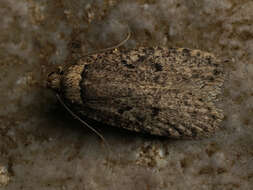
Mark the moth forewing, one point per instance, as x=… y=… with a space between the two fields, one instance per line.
x=156 y=90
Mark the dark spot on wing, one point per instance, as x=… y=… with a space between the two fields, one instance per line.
x=155 y=111
x=140 y=118
x=156 y=79
x=130 y=66
x=216 y=72
x=158 y=67
x=124 y=109
x=211 y=79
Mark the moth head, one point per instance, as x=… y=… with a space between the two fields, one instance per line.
x=54 y=79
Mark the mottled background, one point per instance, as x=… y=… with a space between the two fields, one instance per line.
x=42 y=147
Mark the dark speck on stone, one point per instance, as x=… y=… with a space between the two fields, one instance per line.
x=141 y=58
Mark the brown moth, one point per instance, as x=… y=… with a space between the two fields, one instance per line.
x=161 y=91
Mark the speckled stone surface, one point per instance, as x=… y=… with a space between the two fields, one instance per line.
x=43 y=147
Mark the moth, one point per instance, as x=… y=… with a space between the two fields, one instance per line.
x=172 y=92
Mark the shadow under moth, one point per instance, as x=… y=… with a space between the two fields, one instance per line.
x=171 y=92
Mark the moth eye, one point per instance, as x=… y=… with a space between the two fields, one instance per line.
x=53 y=80
x=50 y=74
x=59 y=70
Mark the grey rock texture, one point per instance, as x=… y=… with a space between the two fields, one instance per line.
x=43 y=147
